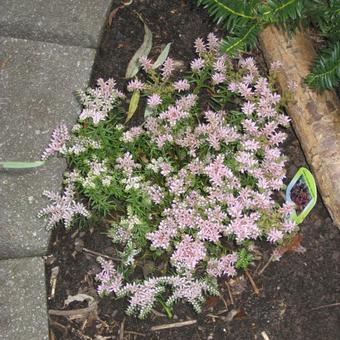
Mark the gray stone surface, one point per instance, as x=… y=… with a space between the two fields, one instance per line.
x=67 y=22
x=23 y=312
x=37 y=81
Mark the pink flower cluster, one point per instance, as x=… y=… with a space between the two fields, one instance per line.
x=98 y=102
x=188 y=253
x=58 y=140
x=63 y=208
x=110 y=280
x=199 y=175
x=223 y=266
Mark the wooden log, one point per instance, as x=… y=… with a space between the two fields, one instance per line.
x=315 y=116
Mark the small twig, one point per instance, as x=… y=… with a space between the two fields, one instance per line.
x=121 y=330
x=58 y=325
x=80 y=334
x=265 y=266
x=229 y=292
x=81 y=312
x=173 y=325
x=326 y=306
x=224 y=301
x=221 y=311
x=157 y=313
x=92 y=252
x=135 y=333
x=252 y=282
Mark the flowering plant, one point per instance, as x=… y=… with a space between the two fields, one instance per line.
x=191 y=187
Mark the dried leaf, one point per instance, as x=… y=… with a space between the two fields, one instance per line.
x=230 y=316
x=80 y=298
x=293 y=246
x=162 y=57
x=133 y=105
x=21 y=165
x=113 y=14
x=143 y=50
x=212 y=301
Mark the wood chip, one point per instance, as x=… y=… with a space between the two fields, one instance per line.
x=264 y=335
x=173 y=325
x=53 y=280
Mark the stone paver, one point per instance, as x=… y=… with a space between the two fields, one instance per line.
x=67 y=22
x=23 y=312
x=37 y=81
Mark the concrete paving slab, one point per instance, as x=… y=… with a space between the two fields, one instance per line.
x=23 y=312
x=67 y=22
x=37 y=81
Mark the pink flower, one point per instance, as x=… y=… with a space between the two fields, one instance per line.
x=225 y=265
x=210 y=231
x=186 y=102
x=63 y=209
x=96 y=115
x=127 y=164
x=182 y=85
x=213 y=42
x=146 y=63
x=218 y=78
x=287 y=208
x=188 y=253
x=219 y=64
x=155 y=193
x=132 y=134
x=249 y=64
x=246 y=160
x=200 y=46
x=173 y=114
x=189 y=289
x=248 y=108
x=244 y=227
x=110 y=279
x=274 y=235
x=165 y=169
x=176 y=185
x=143 y=295
x=232 y=87
x=289 y=226
x=217 y=171
x=135 y=85
x=154 y=100
x=59 y=137
x=197 y=64
x=167 y=68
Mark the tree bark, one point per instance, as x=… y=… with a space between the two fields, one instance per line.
x=315 y=116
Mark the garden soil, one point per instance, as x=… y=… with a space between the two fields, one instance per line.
x=296 y=298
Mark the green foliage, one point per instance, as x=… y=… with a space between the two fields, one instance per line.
x=326 y=70
x=244 y=259
x=245 y=19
